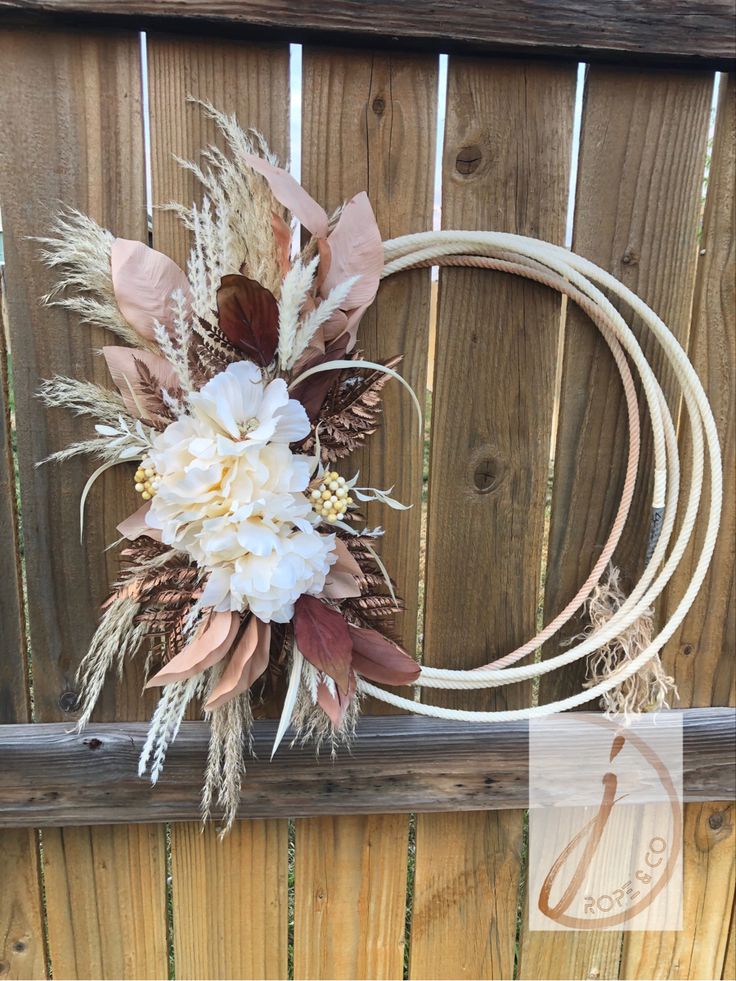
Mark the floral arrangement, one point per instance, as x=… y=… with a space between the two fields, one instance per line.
x=239 y=394
x=239 y=390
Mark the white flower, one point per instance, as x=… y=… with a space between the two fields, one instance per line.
x=231 y=493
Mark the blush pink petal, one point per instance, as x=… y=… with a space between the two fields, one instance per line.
x=341 y=579
x=333 y=327
x=282 y=235
x=144 y=281
x=335 y=707
x=340 y=585
x=356 y=250
x=209 y=646
x=247 y=663
x=135 y=525
x=291 y=194
x=345 y=561
x=351 y=329
x=121 y=362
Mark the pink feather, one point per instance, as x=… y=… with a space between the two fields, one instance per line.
x=144 y=281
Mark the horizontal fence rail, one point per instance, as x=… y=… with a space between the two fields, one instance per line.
x=52 y=776
x=676 y=32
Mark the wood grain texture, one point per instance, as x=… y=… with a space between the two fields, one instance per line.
x=368 y=125
x=506 y=167
x=729 y=964
x=236 y=926
x=21 y=925
x=705 y=676
x=642 y=154
x=73 y=133
x=676 y=31
x=53 y=776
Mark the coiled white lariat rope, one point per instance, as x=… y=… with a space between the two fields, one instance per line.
x=582 y=281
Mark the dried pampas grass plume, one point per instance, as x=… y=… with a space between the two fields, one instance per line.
x=650 y=688
x=79 y=250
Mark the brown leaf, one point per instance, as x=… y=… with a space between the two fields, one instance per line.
x=378 y=659
x=323 y=637
x=249 y=317
x=313 y=391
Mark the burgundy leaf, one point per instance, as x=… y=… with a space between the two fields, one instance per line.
x=312 y=392
x=249 y=317
x=378 y=659
x=323 y=638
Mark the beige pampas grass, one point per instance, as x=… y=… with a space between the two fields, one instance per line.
x=312 y=724
x=83 y=398
x=80 y=250
x=165 y=724
x=232 y=227
x=117 y=638
x=230 y=736
x=294 y=291
x=650 y=688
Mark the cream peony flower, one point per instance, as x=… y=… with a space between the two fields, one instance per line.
x=230 y=492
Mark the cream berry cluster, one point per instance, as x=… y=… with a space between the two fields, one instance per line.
x=146 y=480
x=330 y=498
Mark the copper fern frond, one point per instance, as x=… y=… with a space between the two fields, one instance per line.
x=350 y=412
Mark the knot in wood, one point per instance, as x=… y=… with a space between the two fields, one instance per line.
x=487 y=475
x=379 y=105
x=19 y=946
x=716 y=821
x=468 y=159
x=69 y=701
x=630 y=257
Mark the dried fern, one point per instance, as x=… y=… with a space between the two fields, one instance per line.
x=350 y=413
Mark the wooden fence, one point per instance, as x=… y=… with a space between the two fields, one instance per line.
x=372 y=895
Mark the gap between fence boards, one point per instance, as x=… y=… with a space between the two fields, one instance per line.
x=52 y=775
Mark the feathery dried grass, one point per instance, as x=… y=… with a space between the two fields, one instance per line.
x=231 y=733
x=232 y=227
x=166 y=722
x=117 y=637
x=295 y=289
x=650 y=688
x=79 y=249
x=312 y=724
x=83 y=398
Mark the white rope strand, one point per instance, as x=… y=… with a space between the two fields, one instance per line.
x=554 y=266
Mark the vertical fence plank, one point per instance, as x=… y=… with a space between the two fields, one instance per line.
x=506 y=167
x=702 y=654
x=729 y=963
x=229 y=898
x=72 y=133
x=368 y=124
x=21 y=923
x=642 y=154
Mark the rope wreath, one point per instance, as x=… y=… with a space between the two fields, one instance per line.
x=240 y=388
x=581 y=281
